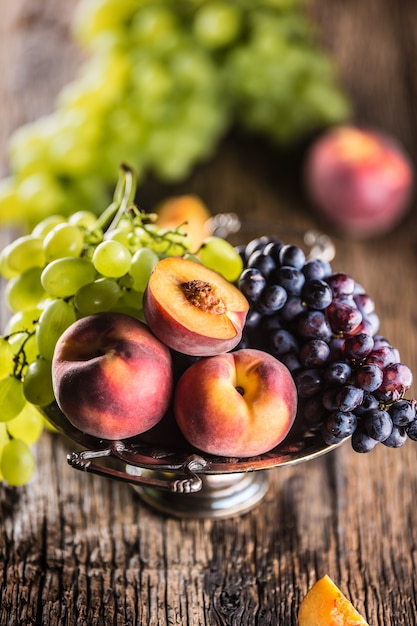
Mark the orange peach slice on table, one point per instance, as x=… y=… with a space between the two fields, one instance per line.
x=326 y=605
x=111 y=377
x=193 y=309
x=237 y=404
x=190 y=213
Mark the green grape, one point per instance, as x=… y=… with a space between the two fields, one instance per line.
x=27 y=426
x=57 y=316
x=23 y=321
x=41 y=194
x=25 y=292
x=12 y=399
x=24 y=253
x=17 y=463
x=37 y=383
x=43 y=227
x=130 y=302
x=220 y=256
x=143 y=262
x=63 y=277
x=112 y=259
x=83 y=219
x=100 y=295
x=11 y=209
x=65 y=240
x=217 y=24
x=6 y=358
x=118 y=234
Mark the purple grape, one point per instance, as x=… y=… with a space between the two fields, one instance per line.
x=308 y=382
x=272 y=299
x=338 y=426
x=313 y=413
x=252 y=246
x=368 y=376
x=397 y=378
x=383 y=356
x=364 y=303
x=314 y=353
x=341 y=284
x=251 y=283
x=362 y=442
x=291 y=361
x=368 y=402
x=314 y=325
x=316 y=269
x=403 y=412
x=262 y=262
x=349 y=397
x=343 y=317
x=273 y=249
x=357 y=347
x=292 y=308
x=317 y=294
x=283 y=341
x=291 y=279
x=337 y=373
x=378 y=424
x=292 y=255
x=397 y=438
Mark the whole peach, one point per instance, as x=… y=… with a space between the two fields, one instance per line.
x=237 y=404
x=359 y=180
x=112 y=377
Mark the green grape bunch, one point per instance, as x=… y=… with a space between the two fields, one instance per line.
x=161 y=85
x=66 y=268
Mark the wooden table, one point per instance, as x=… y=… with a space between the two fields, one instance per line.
x=79 y=549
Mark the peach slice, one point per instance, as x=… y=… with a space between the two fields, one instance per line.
x=325 y=605
x=193 y=309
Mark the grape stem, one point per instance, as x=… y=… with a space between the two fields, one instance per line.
x=20 y=359
x=124 y=196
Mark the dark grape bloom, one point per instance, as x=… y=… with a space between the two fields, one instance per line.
x=358 y=346
x=338 y=426
x=341 y=284
x=291 y=279
x=344 y=317
x=397 y=438
x=368 y=376
x=403 y=412
x=362 y=442
x=308 y=382
x=349 y=397
x=283 y=341
x=378 y=424
x=292 y=255
x=314 y=353
x=251 y=283
x=262 y=262
x=317 y=294
x=272 y=299
x=316 y=269
x=314 y=325
x=337 y=373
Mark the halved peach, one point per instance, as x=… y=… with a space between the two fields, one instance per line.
x=193 y=309
x=326 y=605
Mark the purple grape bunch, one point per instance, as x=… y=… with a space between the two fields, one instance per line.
x=323 y=326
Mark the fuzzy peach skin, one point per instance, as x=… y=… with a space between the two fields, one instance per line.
x=193 y=309
x=112 y=378
x=238 y=404
x=359 y=180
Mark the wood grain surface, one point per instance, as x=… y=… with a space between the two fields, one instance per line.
x=76 y=549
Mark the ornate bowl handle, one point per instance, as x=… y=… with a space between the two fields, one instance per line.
x=191 y=482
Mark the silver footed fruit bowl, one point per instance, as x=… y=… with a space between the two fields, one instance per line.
x=166 y=471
